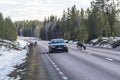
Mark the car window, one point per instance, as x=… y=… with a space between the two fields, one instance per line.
x=57 y=41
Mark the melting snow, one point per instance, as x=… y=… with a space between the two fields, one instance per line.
x=10 y=58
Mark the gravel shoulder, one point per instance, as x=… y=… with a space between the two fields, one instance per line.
x=32 y=68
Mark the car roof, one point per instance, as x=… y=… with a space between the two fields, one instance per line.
x=57 y=39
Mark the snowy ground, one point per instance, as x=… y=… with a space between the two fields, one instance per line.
x=105 y=42
x=10 y=57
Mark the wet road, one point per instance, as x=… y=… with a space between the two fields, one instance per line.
x=90 y=64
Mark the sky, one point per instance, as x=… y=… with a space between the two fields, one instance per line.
x=38 y=9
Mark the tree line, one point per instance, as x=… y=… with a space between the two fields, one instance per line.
x=7 y=29
x=100 y=20
x=28 y=28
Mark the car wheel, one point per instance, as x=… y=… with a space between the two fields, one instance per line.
x=66 y=50
x=50 y=51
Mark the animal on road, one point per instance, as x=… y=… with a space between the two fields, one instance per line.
x=80 y=46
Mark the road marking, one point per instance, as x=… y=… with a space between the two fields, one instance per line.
x=55 y=66
x=65 y=78
x=60 y=72
x=50 y=59
x=58 y=69
x=109 y=59
x=53 y=63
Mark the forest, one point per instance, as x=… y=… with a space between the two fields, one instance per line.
x=29 y=28
x=102 y=19
x=8 y=30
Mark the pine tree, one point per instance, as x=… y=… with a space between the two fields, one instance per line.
x=92 y=24
x=1 y=26
x=11 y=32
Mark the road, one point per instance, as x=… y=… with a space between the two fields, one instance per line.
x=90 y=64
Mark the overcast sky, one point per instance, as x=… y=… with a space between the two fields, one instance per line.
x=38 y=9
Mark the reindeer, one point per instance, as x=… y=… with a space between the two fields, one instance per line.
x=80 y=46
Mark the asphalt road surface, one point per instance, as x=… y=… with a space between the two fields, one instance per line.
x=90 y=64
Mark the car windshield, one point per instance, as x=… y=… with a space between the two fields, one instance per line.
x=57 y=41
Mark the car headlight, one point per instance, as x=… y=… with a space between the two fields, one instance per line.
x=65 y=46
x=52 y=46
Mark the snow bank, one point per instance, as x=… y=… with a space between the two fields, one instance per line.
x=10 y=58
x=22 y=43
x=94 y=40
x=105 y=42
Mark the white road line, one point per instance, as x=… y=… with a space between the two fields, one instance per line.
x=60 y=72
x=55 y=66
x=65 y=78
x=58 y=69
x=109 y=59
x=53 y=63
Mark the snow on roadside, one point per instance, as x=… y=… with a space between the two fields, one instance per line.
x=22 y=43
x=94 y=40
x=104 y=42
x=10 y=58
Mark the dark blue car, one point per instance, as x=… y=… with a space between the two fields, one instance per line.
x=57 y=45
